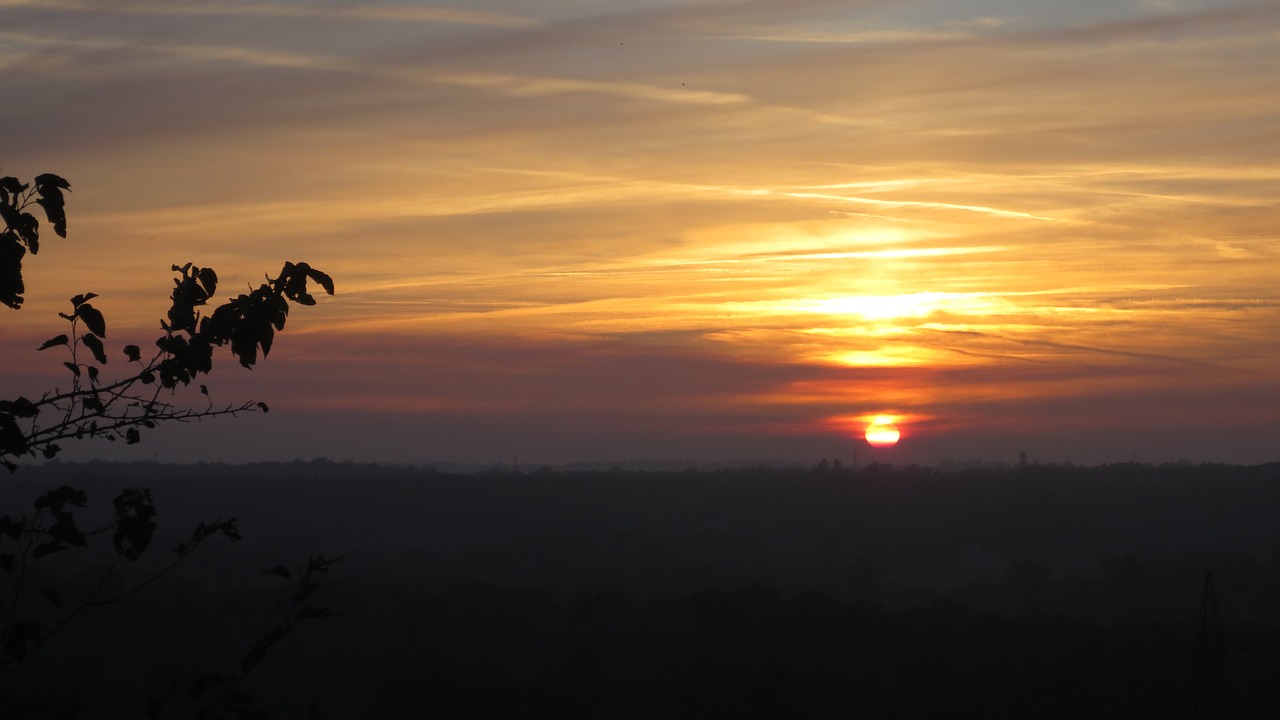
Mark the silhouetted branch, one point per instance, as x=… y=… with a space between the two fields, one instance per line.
x=121 y=408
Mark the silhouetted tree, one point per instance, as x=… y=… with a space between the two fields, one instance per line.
x=115 y=409
x=120 y=408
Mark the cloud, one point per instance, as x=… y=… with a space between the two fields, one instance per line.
x=833 y=33
x=971 y=223
x=537 y=86
x=1162 y=6
x=662 y=26
x=1074 y=349
x=393 y=13
x=924 y=205
x=504 y=84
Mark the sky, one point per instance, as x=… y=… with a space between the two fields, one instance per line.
x=571 y=230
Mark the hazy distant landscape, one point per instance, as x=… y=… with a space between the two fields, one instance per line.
x=1045 y=591
x=515 y=232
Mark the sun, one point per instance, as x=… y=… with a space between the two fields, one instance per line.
x=882 y=432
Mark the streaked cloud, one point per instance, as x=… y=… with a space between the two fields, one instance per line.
x=527 y=86
x=397 y=12
x=863 y=34
x=757 y=220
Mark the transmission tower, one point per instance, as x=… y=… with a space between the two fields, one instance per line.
x=1210 y=659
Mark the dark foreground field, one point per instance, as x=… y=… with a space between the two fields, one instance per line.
x=880 y=592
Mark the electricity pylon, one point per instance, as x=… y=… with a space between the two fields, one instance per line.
x=1211 y=659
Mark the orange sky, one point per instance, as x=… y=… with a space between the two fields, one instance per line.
x=681 y=230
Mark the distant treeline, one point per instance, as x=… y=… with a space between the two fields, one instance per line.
x=1046 y=591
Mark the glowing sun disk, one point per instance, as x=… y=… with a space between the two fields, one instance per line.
x=882 y=432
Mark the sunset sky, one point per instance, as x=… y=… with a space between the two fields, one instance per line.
x=684 y=229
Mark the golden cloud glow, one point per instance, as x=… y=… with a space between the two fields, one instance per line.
x=844 y=209
x=912 y=305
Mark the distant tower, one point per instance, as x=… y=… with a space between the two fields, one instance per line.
x=1022 y=460
x=1210 y=659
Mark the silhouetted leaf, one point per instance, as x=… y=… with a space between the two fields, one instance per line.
x=72 y=367
x=263 y=407
x=204 y=390
x=311 y=612
x=19 y=637
x=27 y=228
x=79 y=300
x=12 y=440
x=50 y=180
x=11 y=286
x=190 y=291
x=325 y=281
x=54 y=342
x=92 y=403
x=51 y=450
x=260 y=647
x=204 y=530
x=133 y=353
x=19 y=407
x=53 y=205
x=11 y=186
x=280 y=570
x=92 y=319
x=49 y=187
x=266 y=336
x=230 y=530
x=93 y=374
x=132 y=436
x=55 y=500
x=201 y=358
x=208 y=280
x=208 y=681
x=47 y=548
x=11 y=216
x=92 y=342
x=135 y=522
x=64 y=530
x=51 y=594
x=12 y=528
x=184 y=360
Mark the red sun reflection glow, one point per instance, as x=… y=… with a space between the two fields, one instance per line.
x=882 y=432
